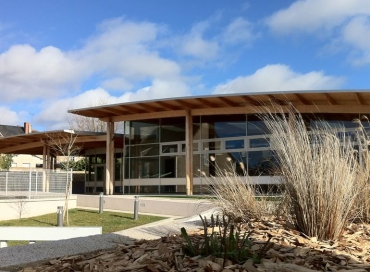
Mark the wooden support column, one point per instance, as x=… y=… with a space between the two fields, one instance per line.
x=189 y=153
x=109 y=176
x=48 y=158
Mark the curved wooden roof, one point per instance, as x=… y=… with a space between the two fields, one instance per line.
x=328 y=101
x=33 y=143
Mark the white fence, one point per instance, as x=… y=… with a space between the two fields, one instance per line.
x=33 y=184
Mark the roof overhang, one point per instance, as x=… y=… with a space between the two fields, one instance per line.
x=34 y=143
x=327 y=101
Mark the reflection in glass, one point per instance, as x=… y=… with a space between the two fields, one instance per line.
x=144 y=132
x=223 y=126
x=144 y=168
x=173 y=167
x=169 y=148
x=259 y=142
x=216 y=145
x=218 y=164
x=173 y=129
x=255 y=126
x=260 y=163
x=234 y=144
x=144 y=150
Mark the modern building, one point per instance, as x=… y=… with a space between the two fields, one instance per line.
x=166 y=144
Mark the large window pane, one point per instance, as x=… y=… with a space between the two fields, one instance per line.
x=260 y=163
x=255 y=126
x=173 y=129
x=223 y=126
x=144 y=168
x=221 y=164
x=335 y=121
x=173 y=167
x=144 y=150
x=144 y=132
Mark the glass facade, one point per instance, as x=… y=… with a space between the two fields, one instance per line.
x=153 y=159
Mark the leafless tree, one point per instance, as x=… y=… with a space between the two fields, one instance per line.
x=64 y=145
x=20 y=206
x=83 y=123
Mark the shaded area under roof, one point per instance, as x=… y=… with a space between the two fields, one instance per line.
x=33 y=143
x=326 y=101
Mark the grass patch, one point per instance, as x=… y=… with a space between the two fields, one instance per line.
x=109 y=221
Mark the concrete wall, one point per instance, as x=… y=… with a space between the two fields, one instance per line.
x=11 y=208
x=156 y=205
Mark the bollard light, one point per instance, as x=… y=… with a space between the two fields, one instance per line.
x=101 y=202
x=60 y=216
x=136 y=208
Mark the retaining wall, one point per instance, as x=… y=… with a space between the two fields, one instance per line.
x=155 y=205
x=12 y=208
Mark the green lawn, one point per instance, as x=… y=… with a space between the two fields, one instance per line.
x=109 y=221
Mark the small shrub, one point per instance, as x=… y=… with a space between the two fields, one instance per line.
x=229 y=242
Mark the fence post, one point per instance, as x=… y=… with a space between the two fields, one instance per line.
x=6 y=183
x=29 y=185
x=36 y=184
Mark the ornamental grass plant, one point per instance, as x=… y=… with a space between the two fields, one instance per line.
x=319 y=171
x=235 y=194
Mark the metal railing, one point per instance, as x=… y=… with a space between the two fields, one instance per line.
x=34 y=184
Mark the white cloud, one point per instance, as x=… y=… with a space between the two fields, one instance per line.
x=239 y=31
x=9 y=117
x=194 y=44
x=28 y=74
x=55 y=114
x=119 y=56
x=313 y=15
x=279 y=77
x=357 y=33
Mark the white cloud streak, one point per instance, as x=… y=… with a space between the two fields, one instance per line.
x=313 y=15
x=277 y=78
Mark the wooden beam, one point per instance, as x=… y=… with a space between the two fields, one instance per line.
x=185 y=105
x=303 y=100
x=189 y=152
x=228 y=102
x=330 y=100
x=359 y=99
x=15 y=148
x=112 y=111
x=147 y=107
x=251 y=101
x=166 y=105
x=206 y=103
x=143 y=116
x=277 y=100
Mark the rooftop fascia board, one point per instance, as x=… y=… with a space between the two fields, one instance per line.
x=220 y=95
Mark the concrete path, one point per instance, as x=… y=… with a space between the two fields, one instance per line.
x=12 y=258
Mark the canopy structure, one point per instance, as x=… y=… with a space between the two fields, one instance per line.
x=327 y=101
x=33 y=143
x=345 y=101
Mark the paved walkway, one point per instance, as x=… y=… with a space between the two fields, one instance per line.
x=19 y=256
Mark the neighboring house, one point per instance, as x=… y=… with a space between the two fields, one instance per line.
x=21 y=161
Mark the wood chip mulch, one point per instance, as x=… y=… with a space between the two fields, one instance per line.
x=291 y=251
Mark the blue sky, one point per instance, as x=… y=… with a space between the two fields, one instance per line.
x=60 y=55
